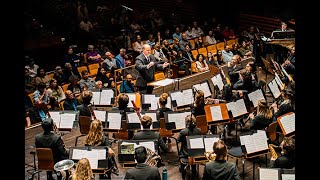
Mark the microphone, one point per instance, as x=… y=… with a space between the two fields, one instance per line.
x=127 y=8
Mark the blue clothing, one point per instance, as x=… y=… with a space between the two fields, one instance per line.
x=126 y=88
x=120 y=61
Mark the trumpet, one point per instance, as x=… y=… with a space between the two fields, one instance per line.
x=211 y=156
x=273 y=151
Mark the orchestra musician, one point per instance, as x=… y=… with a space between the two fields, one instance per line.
x=146 y=133
x=287 y=158
x=142 y=170
x=83 y=170
x=233 y=68
x=263 y=117
x=190 y=130
x=146 y=66
x=220 y=168
x=48 y=139
x=85 y=98
x=163 y=100
x=96 y=137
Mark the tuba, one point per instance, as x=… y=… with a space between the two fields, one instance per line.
x=154 y=159
x=211 y=156
x=273 y=151
x=64 y=165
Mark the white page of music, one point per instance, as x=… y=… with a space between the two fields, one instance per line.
x=92 y=156
x=237 y=108
x=163 y=82
x=131 y=97
x=255 y=96
x=187 y=95
x=148 y=98
x=106 y=96
x=248 y=142
x=67 y=120
x=196 y=143
x=78 y=153
x=273 y=86
x=268 y=174
x=278 y=80
x=288 y=123
x=216 y=113
x=148 y=144
x=96 y=97
x=154 y=104
x=208 y=143
x=153 y=115
x=219 y=81
x=101 y=115
x=133 y=118
x=178 y=119
x=260 y=140
x=285 y=72
x=288 y=176
x=114 y=120
x=55 y=116
x=101 y=153
x=203 y=87
x=178 y=97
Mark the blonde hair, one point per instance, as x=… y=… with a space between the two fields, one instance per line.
x=264 y=109
x=199 y=98
x=163 y=99
x=94 y=137
x=83 y=170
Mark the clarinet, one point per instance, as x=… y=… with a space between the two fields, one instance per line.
x=136 y=109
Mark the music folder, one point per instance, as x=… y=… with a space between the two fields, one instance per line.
x=237 y=108
x=287 y=123
x=254 y=143
x=103 y=97
x=276 y=174
x=96 y=155
x=182 y=97
x=203 y=86
x=126 y=148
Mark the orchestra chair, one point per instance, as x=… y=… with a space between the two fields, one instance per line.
x=50 y=74
x=236 y=153
x=230 y=42
x=194 y=52
x=93 y=69
x=201 y=122
x=212 y=48
x=220 y=46
x=85 y=60
x=272 y=133
x=203 y=51
x=45 y=161
x=84 y=125
x=31 y=98
x=194 y=68
x=81 y=68
x=64 y=86
x=192 y=42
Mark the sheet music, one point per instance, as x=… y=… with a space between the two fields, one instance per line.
x=163 y=82
x=168 y=105
x=106 y=96
x=274 y=88
x=133 y=118
x=268 y=174
x=217 y=81
x=101 y=153
x=178 y=97
x=260 y=141
x=101 y=115
x=148 y=144
x=196 y=143
x=96 y=97
x=288 y=176
x=114 y=120
x=153 y=115
x=208 y=143
x=178 y=119
x=216 y=113
x=237 y=108
x=187 y=95
x=67 y=120
x=93 y=162
x=288 y=123
x=204 y=87
x=148 y=98
x=55 y=116
x=248 y=142
x=278 y=80
x=131 y=97
x=78 y=153
x=154 y=104
x=285 y=73
x=255 y=96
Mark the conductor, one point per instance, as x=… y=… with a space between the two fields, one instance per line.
x=146 y=65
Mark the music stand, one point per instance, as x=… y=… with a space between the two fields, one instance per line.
x=287 y=124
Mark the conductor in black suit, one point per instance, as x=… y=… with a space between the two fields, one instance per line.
x=145 y=65
x=142 y=170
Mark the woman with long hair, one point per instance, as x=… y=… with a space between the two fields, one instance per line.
x=199 y=103
x=83 y=171
x=263 y=118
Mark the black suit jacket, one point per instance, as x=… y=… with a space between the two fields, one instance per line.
x=146 y=75
x=148 y=134
x=283 y=161
x=222 y=170
x=84 y=110
x=55 y=143
x=143 y=172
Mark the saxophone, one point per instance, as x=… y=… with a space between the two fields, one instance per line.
x=273 y=151
x=211 y=156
